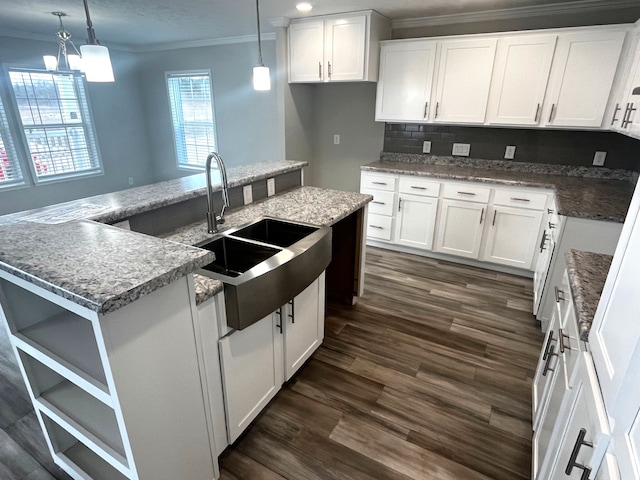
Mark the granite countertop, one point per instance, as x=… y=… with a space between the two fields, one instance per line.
x=587 y=275
x=580 y=192
x=116 y=206
x=206 y=288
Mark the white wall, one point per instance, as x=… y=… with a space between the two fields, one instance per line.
x=245 y=119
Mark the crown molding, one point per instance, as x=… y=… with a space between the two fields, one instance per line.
x=52 y=39
x=203 y=43
x=515 y=13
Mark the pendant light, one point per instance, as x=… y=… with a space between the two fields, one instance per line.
x=261 y=77
x=71 y=61
x=96 y=62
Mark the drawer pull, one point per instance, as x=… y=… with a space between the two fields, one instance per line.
x=559 y=294
x=552 y=226
x=548 y=347
x=549 y=211
x=292 y=315
x=517 y=199
x=561 y=338
x=547 y=364
x=471 y=194
x=543 y=242
x=378 y=203
x=377 y=227
x=279 y=325
x=586 y=471
x=379 y=183
x=419 y=188
x=615 y=113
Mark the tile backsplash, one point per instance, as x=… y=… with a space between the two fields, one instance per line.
x=558 y=147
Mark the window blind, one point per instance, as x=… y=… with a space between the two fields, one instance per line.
x=192 y=117
x=10 y=173
x=55 y=116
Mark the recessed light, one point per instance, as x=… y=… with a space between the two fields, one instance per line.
x=304 y=7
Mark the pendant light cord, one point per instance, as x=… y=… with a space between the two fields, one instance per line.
x=259 y=43
x=92 y=40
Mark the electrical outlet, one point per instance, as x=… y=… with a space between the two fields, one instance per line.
x=271 y=187
x=426 y=147
x=461 y=149
x=510 y=152
x=336 y=139
x=598 y=158
x=247 y=194
x=130 y=180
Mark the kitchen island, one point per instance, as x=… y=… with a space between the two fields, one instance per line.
x=105 y=324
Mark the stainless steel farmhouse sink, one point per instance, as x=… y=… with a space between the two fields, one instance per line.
x=265 y=264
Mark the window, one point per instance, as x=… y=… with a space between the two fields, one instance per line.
x=192 y=117
x=56 y=121
x=10 y=173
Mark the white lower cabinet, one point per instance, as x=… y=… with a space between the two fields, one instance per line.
x=415 y=222
x=512 y=236
x=257 y=360
x=460 y=228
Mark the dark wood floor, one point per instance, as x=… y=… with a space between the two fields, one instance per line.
x=428 y=376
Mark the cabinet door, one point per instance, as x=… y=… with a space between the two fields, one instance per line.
x=578 y=90
x=301 y=318
x=513 y=236
x=416 y=221
x=464 y=77
x=548 y=364
x=344 y=48
x=251 y=362
x=406 y=80
x=540 y=273
x=306 y=47
x=581 y=435
x=520 y=79
x=460 y=228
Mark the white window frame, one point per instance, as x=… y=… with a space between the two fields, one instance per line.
x=87 y=125
x=180 y=164
x=10 y=154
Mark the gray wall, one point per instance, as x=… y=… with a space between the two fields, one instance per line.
x=119 y=122
x=245 y=119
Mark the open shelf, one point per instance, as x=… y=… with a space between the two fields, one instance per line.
x=78 y=459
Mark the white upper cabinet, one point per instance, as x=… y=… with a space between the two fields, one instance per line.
x=464 y=78
x=336 y=48
x=520 y=79
x=406 y=81
x=581 y=78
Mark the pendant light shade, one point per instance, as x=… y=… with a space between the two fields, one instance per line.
x=64 y=60
x=96 y=63
x=50 y=62
x=261 y=77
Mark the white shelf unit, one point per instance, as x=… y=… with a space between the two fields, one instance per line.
x=117 y=395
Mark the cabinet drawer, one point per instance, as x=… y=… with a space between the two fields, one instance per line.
x=520 y=199
x=464 y=191
x=379 y=226
x=418 y=186
x=378 y=181
x=382 y=203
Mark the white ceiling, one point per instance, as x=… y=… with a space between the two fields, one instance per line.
x=142 y=23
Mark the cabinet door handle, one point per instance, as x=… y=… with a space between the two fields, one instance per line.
x=292 y=315
x=537 y=114
x=561 y=338
x=559 y=294
x=279 y=325
x=481 y=215
x=377 y=227
x=574 y=455
x=426 y=109
x=399 y=204
x=552 y=226
x=437 y=108
x=615 y=112
x=467 y=193
x=548 y=347
x=493 y=223
x=549 y=211
x=518 y=199
x=631 y=110
x=547 y=364
x=329 y=70
x=543 y=242
x=379 y=183
x=553 y=106
x=419 y=188
x=378 y=203
x=624 y=123
x=320 y=70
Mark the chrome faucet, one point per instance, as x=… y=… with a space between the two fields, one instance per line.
x=212 y=220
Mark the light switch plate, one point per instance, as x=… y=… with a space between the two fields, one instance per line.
x=247 y=194
x=510 y=152
x=599 y=158
x=461 y=149
x=336 y=139
x=271 y=187
x=426 y=146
